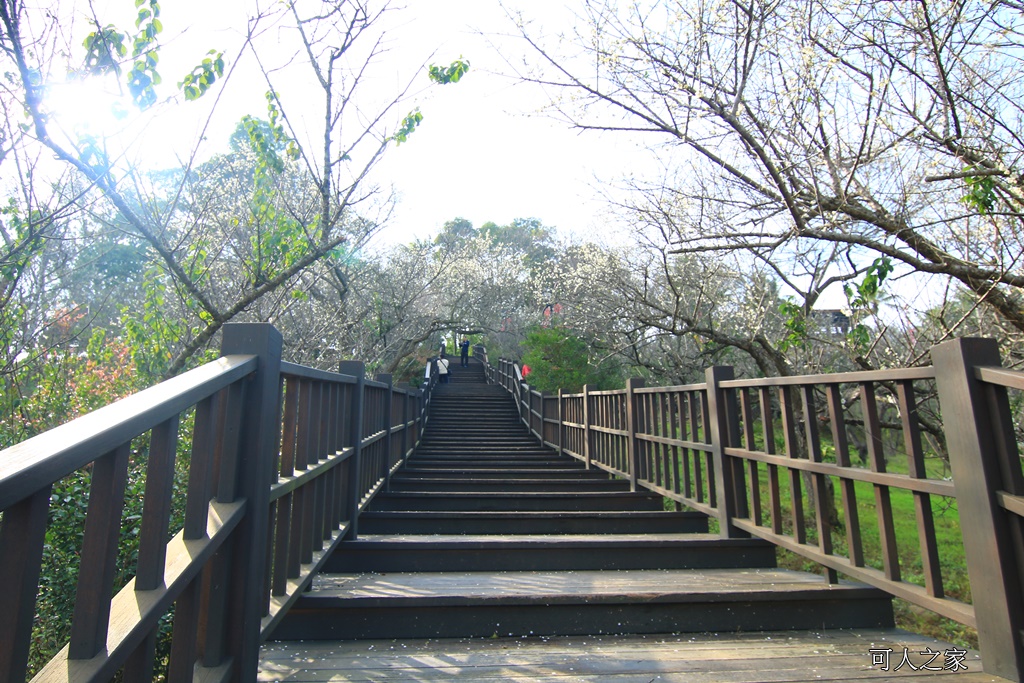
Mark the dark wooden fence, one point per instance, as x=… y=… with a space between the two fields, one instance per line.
x=739 y=449
x=283 y=459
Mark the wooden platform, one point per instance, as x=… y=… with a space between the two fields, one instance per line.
x=691 y=658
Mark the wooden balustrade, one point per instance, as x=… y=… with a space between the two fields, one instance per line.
x=282 y=460
x=769 y=457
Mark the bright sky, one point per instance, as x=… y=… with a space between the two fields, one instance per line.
x=483 y=151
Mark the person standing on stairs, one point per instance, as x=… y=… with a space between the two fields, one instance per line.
x=464 y=347
x=442 y=370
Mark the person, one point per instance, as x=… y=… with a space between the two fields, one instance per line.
x=444 y=347
x=442 y=370
x=465 y=352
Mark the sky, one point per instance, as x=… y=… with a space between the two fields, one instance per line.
x=484 y=151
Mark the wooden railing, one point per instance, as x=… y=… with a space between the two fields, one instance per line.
x=283 y=458
x=768 y=457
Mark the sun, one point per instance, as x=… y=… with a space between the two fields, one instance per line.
x=89 y=107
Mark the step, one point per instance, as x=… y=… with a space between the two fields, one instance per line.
x=449 y=464
x=459 y=429
x=478 y=459
x=533 y=552
x=479 y=442
x=415 y=469
x=509 y=457
x=752 y=657
x=549 y=502
x=512 y=603
x=404 y=483
x=536 y=522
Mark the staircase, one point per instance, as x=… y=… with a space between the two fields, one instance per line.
x=486 y=533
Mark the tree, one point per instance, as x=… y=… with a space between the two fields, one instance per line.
x=559 y=359
x=858 y=130
x=293 y=204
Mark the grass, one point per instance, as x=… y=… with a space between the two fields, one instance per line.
x=952 y=561
x=949 y=541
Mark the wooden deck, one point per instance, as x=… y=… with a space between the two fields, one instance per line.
x=691 y=658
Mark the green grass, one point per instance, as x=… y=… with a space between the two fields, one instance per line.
x=952 y=561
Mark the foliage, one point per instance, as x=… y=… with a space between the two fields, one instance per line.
x=863 y=299
x=796 y=326
x=104 y=49
x=453 y=73
x=202 y=77
x=559 y=359
x=143 y=76
x=981 y=195
x=865 y=294
x=409 y=124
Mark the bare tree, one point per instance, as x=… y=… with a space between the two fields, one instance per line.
x=865 y=129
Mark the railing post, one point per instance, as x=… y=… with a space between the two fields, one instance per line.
x=404 y=441
x=632 y=444
x=723 y=411
x=586 y=425
x=541 y=398
x=22 y=534
x=357 y=369
x=561 y=438
x=259 y=435
x=972 y=428
x=389 y=422
x=522 y=400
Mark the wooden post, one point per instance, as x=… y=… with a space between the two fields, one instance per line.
x=632 y=446
x=404 y=441
x=723 y=412
x=259 y=434
x=357 y=369
x=22 y=535
x=586 y=425
x=561 y=438
x=542 y=419
x=389 y=423
x=523 y=401
x=972 y=428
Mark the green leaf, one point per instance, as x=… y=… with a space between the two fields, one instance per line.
x=453 y=73
x=409 y=124
x=981 y=192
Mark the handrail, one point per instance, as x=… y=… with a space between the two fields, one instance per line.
x=54 y=454
x=739 y=449
x=283 y=459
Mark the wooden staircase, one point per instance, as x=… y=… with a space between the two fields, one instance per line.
x=485 y=533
